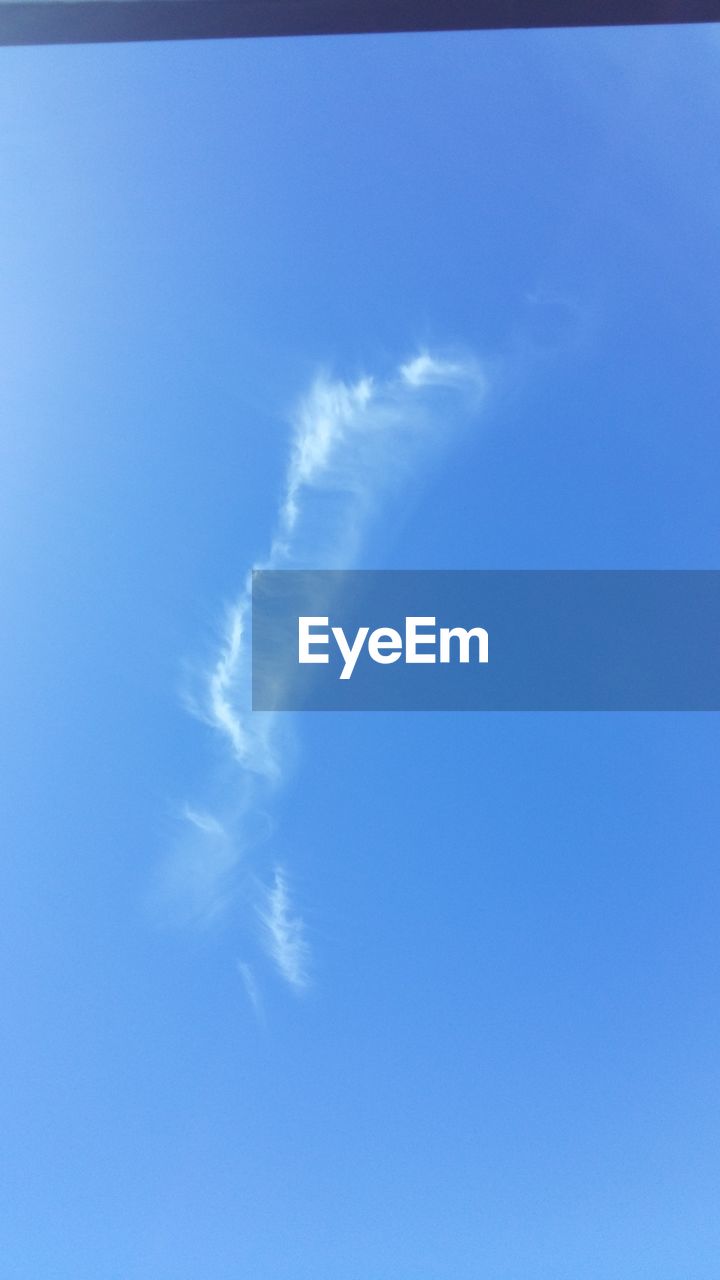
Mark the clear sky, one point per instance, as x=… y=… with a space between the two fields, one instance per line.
x=427 y=996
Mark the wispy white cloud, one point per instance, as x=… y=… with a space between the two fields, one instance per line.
x=226 y=698
x=284 y=933
x=222 y=681
x=203 y=821
x=252 y=990
x=325 y=419
x=352 y=444
x=426 y=370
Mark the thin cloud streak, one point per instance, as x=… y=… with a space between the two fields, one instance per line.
x=284 y=933
x=352 y=444
x=203 y=821
x=251 y=988
x=426 y=370
x=221 y=684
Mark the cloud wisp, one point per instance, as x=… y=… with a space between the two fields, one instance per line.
x=353 y=443
x=284 y=932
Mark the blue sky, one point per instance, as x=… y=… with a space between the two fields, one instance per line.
x=501 y=1057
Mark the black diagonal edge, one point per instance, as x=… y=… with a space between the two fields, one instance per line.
x=97 y=21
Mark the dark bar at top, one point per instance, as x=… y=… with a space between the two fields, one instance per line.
x=31 y=22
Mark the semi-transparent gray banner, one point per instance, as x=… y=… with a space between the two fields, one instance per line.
x=556 y=640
